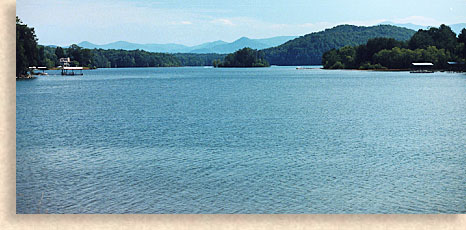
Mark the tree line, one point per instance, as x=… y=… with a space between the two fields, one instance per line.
x=101 y=58
x=436 y=45
x=245 y=57
x=29 y=53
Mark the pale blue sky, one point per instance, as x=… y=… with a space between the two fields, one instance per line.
x=63 y=22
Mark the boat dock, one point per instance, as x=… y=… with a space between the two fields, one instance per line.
x=72 y=71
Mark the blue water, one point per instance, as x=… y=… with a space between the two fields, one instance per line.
x=269 y=140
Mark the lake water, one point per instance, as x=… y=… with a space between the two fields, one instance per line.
x=269 y=140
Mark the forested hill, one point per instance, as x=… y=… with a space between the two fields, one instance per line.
x=308 y=49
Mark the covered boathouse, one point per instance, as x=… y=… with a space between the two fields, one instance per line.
x=424 y=67
x=66 y=70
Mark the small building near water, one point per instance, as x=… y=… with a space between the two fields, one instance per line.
x=65 y=61
x=422 y=67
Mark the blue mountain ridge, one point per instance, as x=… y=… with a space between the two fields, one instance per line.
x=455 y=27
x=219 y=46
x=222 y=47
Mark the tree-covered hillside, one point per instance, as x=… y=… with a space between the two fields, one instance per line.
x=435 y=45
x=308 y=49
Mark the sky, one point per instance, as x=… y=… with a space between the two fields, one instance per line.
x=65 y=22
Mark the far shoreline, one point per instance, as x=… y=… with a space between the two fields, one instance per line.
x=256 y=67
x=395 y=70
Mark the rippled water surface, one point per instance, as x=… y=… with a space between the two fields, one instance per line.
x=272 y=140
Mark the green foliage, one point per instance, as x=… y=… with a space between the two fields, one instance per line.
x=420 y=40
x=442 y=38
x=49 y=57
x=59 y=52
x=81 y=56
x=99 y=58
x=462 y=44
x=309 y=49
x=364 y=53
x=191 y=59
x=75 y=63
x=403 y=58
x=436 y=45
x=216 y=62
x=134 y=58
x=369 y=66
x=245 y=57
x=338 y=65
x=27 y=52
x=396 y=58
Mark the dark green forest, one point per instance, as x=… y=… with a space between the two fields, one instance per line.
x=245 y=57
x=308 y=49
x=100 y=58
x=436 y=45
x=27 y=53
x=191 y=59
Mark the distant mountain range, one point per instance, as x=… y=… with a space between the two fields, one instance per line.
x=219 y=47
x=283 y=50
x=222 y=47
x=455 y=27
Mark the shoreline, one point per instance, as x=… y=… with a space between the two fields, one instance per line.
x=297 y=68
x=394 y=70
x=27 y=77
x=376 y=70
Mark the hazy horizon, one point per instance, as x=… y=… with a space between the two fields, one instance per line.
x=196 y=22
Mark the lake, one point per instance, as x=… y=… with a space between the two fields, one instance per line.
x=267 y=140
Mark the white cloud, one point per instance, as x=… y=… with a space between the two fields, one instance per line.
x=223 y=21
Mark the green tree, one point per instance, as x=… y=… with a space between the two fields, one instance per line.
x=59 y=52
x=41 y=58
x=245 y=57
x=75 y=54
x=462 y=40
x=445 y=38
x=27 y=53
x=329 y=59
x=348 y=56
x=442 y=38
x=420 y=40
x=365 y=53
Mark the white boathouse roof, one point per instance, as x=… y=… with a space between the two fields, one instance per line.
x=73 y=68
x=423 y=64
